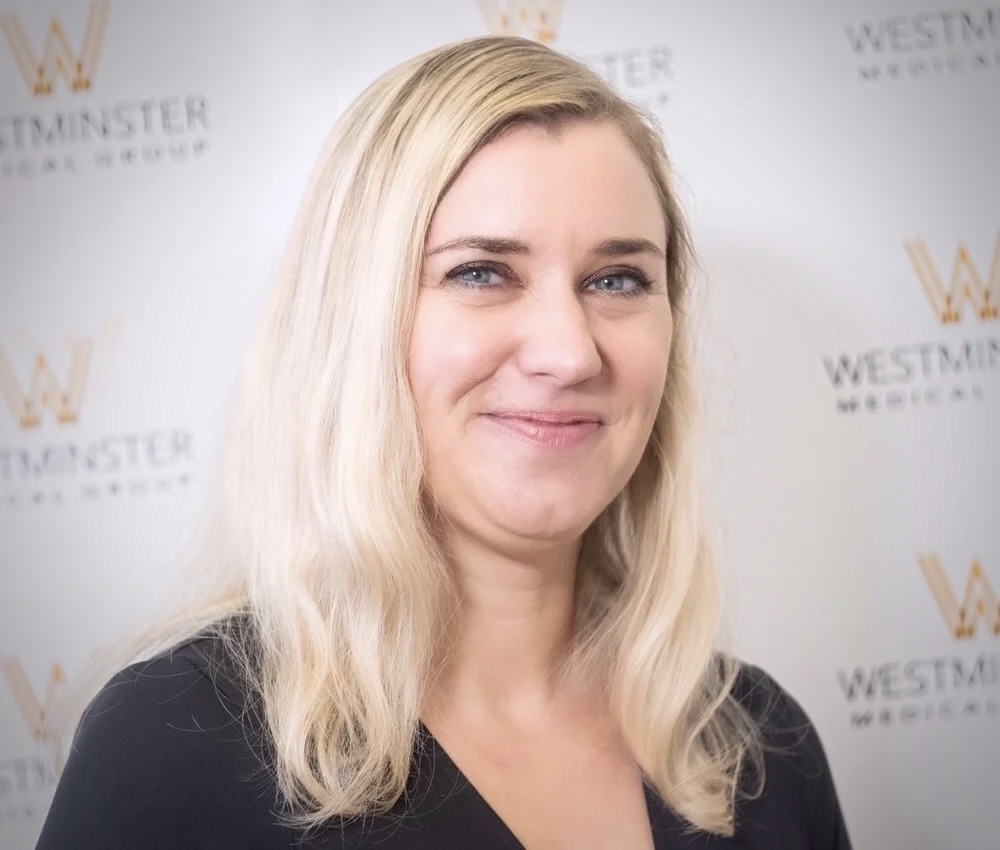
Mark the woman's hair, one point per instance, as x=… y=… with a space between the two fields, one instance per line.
x=322 y=535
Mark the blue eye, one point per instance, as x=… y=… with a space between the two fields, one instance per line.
x=476 y=277
x=620 y=283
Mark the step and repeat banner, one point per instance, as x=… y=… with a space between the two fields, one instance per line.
x=839 y=165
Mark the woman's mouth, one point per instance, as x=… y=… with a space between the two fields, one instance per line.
x=552 y=430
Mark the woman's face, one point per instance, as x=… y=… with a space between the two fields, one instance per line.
x=542 y=334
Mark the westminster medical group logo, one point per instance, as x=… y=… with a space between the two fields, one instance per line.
x=644 y=75
x=965 y=287
x=67 y=123
x=34 y=711
x=56 y=456
x=536 y=19
x=960 y=365
x=962 y=683
x=27 y=778
x=977 y=607
x=920 y=45
x=57 y=57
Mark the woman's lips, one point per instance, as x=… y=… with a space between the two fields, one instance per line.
x=549 y=430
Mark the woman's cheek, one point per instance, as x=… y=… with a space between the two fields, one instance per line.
x=453 y=352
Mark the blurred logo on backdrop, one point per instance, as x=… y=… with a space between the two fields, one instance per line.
x=644 y=74
x=55 y=455
x=962 y=683
x=965 y=285
x=64 y=128
x=959 y=368
x=978 y=605
x=57 y=57
x=537 y=19
x=44 y=391
x=33 y=711
x=27 y=780
x=922 y=45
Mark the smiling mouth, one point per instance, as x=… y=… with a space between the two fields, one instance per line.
x=548 y=430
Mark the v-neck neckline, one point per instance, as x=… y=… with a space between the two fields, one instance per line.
x=500 y=827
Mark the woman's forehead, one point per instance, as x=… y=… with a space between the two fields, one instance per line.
x=586 y=182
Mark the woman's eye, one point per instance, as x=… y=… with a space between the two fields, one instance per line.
x=477 y=277
x=620 y=283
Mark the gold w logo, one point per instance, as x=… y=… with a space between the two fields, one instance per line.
x=35 y=713
x=44 y=390
x=978 y=603
x=964 y=285
x=58 y=57
x=539 y=19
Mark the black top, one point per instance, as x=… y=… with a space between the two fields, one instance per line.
x=162 y=759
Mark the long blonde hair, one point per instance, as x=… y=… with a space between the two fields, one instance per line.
x=321 y=536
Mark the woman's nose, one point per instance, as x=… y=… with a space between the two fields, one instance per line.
x=557 y=338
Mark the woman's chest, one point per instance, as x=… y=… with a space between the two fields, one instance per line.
x=564 y=792
x=590 y=809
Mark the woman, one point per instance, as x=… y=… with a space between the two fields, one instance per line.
x=469 y=598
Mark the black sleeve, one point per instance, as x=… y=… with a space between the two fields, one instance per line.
x=160 y=760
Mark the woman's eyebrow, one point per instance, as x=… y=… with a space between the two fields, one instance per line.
x=618 y=247
x=623 y=247
x=490 y=244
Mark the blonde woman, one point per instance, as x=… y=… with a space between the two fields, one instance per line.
x=465 y=595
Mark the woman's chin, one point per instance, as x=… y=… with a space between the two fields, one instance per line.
x=542 y=526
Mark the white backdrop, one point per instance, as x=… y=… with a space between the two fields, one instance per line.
x=838 y=162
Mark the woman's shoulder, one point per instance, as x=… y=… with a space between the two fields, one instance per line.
x=197 y=682
x=782 y=725
x=770 y=704
x=203 y=670
x=170 y=749
x=798 y=786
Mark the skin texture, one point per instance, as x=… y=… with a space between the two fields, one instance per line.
x=536 y=387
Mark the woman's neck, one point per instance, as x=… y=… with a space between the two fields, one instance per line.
x=509 y=642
